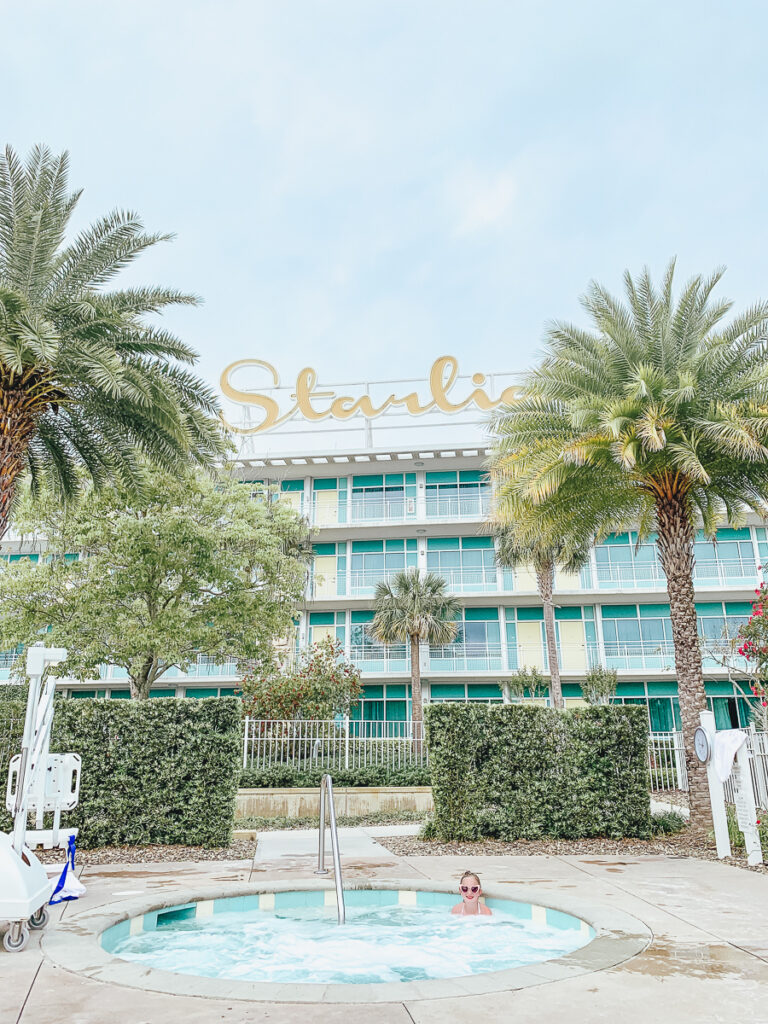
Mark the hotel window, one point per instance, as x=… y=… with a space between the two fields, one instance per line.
x=391 y=496
x=463 y=494
x=637 y=637
x=718 y=625
x=371 y=656
x=375 y=560
x=730 y=558
x=620 y=562
x=324 y=624
x=466 y=563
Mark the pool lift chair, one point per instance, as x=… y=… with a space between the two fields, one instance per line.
x=38 y=783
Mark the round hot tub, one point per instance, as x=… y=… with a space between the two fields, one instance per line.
x=280 y=942
x=389 y=936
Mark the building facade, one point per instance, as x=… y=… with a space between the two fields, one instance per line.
x=373 y=514
x=378 y=508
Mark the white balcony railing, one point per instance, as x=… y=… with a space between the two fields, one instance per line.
x=466 y=657
x=203 y=668
x=464 y=506
x=362 y=582
x=382 y=510
x=470 y=581
x=378 y=658
x=650 y=575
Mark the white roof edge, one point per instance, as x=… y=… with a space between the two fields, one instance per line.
x=358 y=456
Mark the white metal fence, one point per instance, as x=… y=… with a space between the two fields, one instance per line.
x=349 y=744
x=332 y=744
x=666 y=762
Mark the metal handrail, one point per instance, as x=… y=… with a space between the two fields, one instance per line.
x=326 y=784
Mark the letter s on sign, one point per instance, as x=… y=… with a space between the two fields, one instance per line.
x=269 y=405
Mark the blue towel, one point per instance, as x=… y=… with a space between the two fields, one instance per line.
x=69 y=886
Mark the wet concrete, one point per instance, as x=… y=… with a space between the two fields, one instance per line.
x=707 y=962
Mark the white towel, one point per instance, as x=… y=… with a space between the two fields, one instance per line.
x=727 y=743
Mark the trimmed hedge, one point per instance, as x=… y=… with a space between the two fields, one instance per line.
x=281 y=776
x=154 y=771
x=522 y=772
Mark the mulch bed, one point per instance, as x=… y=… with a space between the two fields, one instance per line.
x=679 y=845
x=240 y=849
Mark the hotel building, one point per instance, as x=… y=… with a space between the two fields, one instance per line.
x=378 y=508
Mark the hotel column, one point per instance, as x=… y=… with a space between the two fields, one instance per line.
x=421 y=496
x=503 y=637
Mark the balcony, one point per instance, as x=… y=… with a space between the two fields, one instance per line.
x=362 y=582
x=376 y=658
x=362 y=513
x=482 y=580
x=203 y=668
x=463 y=506
x=650 y=575
x=466 y=657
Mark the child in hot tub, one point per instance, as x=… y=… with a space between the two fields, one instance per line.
x=471 y=891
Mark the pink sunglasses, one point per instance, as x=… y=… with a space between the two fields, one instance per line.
x=466 y=888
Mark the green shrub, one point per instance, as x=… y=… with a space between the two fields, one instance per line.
x=735 y=834
x=14 y=691
x=154 y=771
x=668 y=823
x=522 y=772
x=282 y=776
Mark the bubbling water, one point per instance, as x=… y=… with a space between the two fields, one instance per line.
x=377 y=944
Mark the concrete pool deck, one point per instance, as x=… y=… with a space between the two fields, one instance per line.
x=707 y=960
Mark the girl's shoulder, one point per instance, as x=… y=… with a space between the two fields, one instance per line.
x=458 y=909
x=485 y=910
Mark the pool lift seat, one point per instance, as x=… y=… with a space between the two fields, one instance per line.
x=326 y=787
x=38 y=783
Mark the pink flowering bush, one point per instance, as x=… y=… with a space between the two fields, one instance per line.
x=754 y=648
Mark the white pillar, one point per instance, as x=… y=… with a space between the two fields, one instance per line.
x=716 y=793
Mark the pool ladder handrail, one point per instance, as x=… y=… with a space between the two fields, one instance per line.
x=326 y=786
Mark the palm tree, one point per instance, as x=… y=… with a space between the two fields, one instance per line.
x=657 y=416
x=411 y=607
x=519 y=545
x=85 y=382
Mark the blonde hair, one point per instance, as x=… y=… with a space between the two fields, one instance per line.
x=471 y=874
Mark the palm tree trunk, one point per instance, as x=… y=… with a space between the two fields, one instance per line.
x=675 y=543
x=417 y=706
x=19 y=408
x=545 y=578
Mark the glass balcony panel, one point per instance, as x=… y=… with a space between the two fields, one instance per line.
x=465 y=657
x=378 y=658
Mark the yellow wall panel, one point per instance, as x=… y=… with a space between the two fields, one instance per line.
x=326 y=507
x=325 y=567
x=525 y=579
x=573 y=656
x=529 y=648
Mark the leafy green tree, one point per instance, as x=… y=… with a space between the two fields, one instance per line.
x=526 y=682
x=85 y=380
x=411 y=607
x=599 y=686
x=519 y=544
x=190 y=568
x=658 y=416
x=320 y=686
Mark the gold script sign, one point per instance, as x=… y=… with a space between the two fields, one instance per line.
x=442 y=377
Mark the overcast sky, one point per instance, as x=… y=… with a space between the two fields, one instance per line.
x=363 y=186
